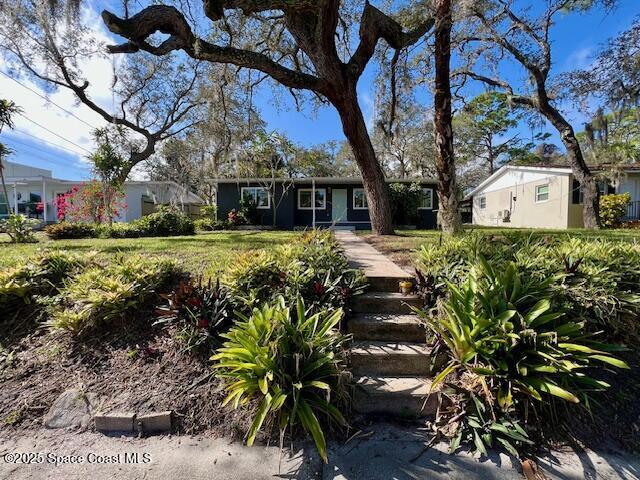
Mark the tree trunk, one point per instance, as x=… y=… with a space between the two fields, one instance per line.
x=581 y=172
x=375 y=187
x=448 y=214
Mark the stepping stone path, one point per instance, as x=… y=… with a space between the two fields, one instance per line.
x=390 y=360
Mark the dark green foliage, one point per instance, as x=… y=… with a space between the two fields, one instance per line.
x=69 y=230
x=200 y=311
x=248 y=213
x=292 y=363
x=166 y=222
x=405 y=200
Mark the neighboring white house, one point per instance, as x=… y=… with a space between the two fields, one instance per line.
x=32 y=192
x=542 y=197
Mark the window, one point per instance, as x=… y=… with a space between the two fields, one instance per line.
x=304 y=198
x=542 y=193
x=359 y=199
x=483 y=202
x=4 y=205
x=258 y=195
x=426 y=202
x=577 y=195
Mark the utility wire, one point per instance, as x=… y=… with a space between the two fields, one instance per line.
x=54 y=133
x=47 y=99
x=42 y=140
x=49 y=160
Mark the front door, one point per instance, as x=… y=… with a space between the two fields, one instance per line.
x=339 y=205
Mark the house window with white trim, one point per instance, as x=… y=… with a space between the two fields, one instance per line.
x=426 y=201
x=542 y=193
x=4 y=205
x=304 y=199
x=258 y=195
x=483 y=202
x=360 y=199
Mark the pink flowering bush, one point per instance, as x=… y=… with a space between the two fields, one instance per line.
x=86 y=203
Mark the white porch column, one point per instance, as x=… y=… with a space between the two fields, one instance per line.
x=15 y=198
x=313 y=201
x=44 y=199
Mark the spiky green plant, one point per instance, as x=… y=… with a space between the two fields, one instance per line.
x=509 y=347
x=291 y=363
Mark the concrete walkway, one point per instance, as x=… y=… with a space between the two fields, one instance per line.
x=363 y=256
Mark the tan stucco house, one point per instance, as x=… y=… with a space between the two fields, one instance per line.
x=541 y=197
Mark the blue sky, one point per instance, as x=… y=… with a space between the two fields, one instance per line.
x=63 y=148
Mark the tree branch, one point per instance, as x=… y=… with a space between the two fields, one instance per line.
x=501 y=84
x=214 y=9
x=168 y=20
x=376 y=25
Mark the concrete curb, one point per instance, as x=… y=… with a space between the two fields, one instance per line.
x=150 y=423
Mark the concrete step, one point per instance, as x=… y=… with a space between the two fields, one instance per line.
x=390 y=358
x=387 y=326
x=387 y=283
x=385 y=302
x=398 y=396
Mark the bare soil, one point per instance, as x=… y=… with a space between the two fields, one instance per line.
x=135 y=367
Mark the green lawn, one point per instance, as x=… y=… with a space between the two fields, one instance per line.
x=401 y=248
x=196 y=253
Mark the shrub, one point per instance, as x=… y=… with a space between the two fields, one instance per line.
x=199 y=310
x=42 y=275
x=167 y=221
x=248 y=213
x=208 y=225
x=69 y=230
x=19 y=228
x=511 y=348
x=101 y=295
x=205 y=225
x=405 y=200
x=210 y=212
x=291 y=362
x=597 y=279
x=312 y=267
x=613 y=208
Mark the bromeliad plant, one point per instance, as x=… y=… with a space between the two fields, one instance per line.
x=312 y=267
x=200 y=310
x=101 y=295
x=42 y=275
x=291 y=362
x=502 y=332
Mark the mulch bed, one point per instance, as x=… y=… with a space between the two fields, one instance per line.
x=132 y=368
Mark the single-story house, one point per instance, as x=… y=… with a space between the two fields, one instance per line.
x=542 y=197
x=32 y=191
x=339 y=202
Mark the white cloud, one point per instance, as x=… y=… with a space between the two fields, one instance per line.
x=579 y=59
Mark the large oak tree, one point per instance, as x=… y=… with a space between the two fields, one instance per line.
x=153 y=99
x=300 y=51
x=505 y=29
